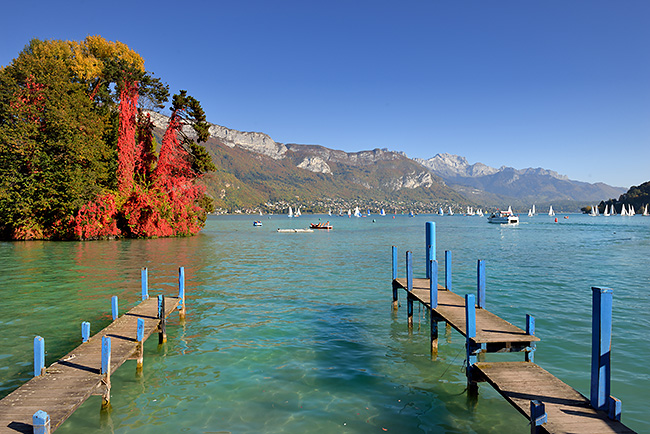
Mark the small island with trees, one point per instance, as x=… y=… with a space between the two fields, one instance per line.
x=78 y=158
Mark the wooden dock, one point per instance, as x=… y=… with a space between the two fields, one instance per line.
x=568 y=411
x=68 y=382
x=495 y=333
x=549 y=404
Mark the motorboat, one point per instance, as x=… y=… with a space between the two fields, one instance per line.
x=503 y=217
x=327 y=226
x=257 y=223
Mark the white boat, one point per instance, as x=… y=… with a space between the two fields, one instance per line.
x=298 y=213
x=593 y=212
x=290 y=215
x=645 y=210
x=357 y=213
x=534 y=212
x=612 y=210
x=480 y=213
x=450 y=211
x=550 y=211
x=349 y=213
x=503 y=217
x=382 y=213
x=329 y=212
x=623 y=211
x=606 y=211
x=630 y=210
x=530 y=213
x=440 y=211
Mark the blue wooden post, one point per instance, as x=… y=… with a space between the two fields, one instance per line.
x=41 y=422
x=537 y=415
x=480 y=283
x=395 y=288
x=85 y=331
x=614 y=411
x=105 y=370
x=145 y=283
x=139 y=337
x=106 y=356
x=448 y=270
x=409 y=288
x=430 y=244
x=433 y=283
x=601 y=345
x=530 y=330
x=39 y=356
x=181 y=292
x=114 y=307
x=470 y=332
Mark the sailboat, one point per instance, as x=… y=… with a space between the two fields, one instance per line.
x=630 y=210
x=382 y=213
x=479 y=213
x=534 y=212
x=593 y=211
x=357 y=213
x=329 y=212
x=550 y=211
x=349 y=213
x=606 y=212
x=612 y=210
x=298 y=213
x=645 y=210
x=450 y=211
x=530 y=213
x=368 y=212
x=440 y=211
x=290 y=213
x=623 y=210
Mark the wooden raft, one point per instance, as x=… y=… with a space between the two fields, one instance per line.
x=496 y=333
x=568 y=411
x=68 y=382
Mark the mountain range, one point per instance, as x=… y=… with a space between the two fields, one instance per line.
x=254 y=171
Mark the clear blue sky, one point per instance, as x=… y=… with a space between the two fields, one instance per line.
x=563 y=85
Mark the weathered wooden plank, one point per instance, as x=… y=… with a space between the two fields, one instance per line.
x=68 y=382
x=568 y=410
x=451 y=308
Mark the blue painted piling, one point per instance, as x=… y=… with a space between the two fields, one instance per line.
x=480 y=283
x=471 y=349
x=430 y=244
x=433 y=283
x=615 y=408
x=145 y=283
x=448 y=270
x=181 y=292
x=39 y=356
x=106 y=356
x=394 y=255
x=139 y=337
x=85 y=331
x=530 y=330
x=537 y=415
x=409 y=287
x=114 y=307
x=601 y=345
x=162 y=328
x=41 y=422
x=140 y=332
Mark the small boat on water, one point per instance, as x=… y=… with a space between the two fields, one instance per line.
x=257 y=223
x=550 y=211
x=645 y=210
x=440 y=211
x=450 y=211
x=504 y=217
x=290 y=215
x=606 y=211
x=382 y=213
x=326 y=225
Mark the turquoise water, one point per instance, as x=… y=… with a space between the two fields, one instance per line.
x=294 y=332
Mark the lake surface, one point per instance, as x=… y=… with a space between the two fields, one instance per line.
x=293 y=333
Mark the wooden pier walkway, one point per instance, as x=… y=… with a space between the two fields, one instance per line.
x=568 y=411
x=495 y=333
x=67 y=383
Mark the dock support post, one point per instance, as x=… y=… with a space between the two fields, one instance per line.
x=614 y=411
x=537 y=415
x=480 y=284
x=162 y=328
x=114 y=307
x=144 y=278
x=409 y=288
x=106 y=370
x=85 y=331
x=41 y=422
x=470 y=332
x=139 y=337
x=394 y=257
x=433 y=304
x=530 y=330
x=448 y=270
x=430 y=244
x=39 y=356
x=181 y=292
x=601 y=347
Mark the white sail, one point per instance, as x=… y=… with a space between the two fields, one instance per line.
x=357 y=213
x=623 y=210
x=606 y=211
x=530 y=212
x=630 y=210
x=645 y=210
x=593 y=211
x=298 y=213
x=450 y=211
x=550 y=211
x=534 y=212
x=349 y=213
x=329 y=212
x=382 y=212
x=290 y=213
x=509 y=209
x=612 y=210
x=440 y=211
